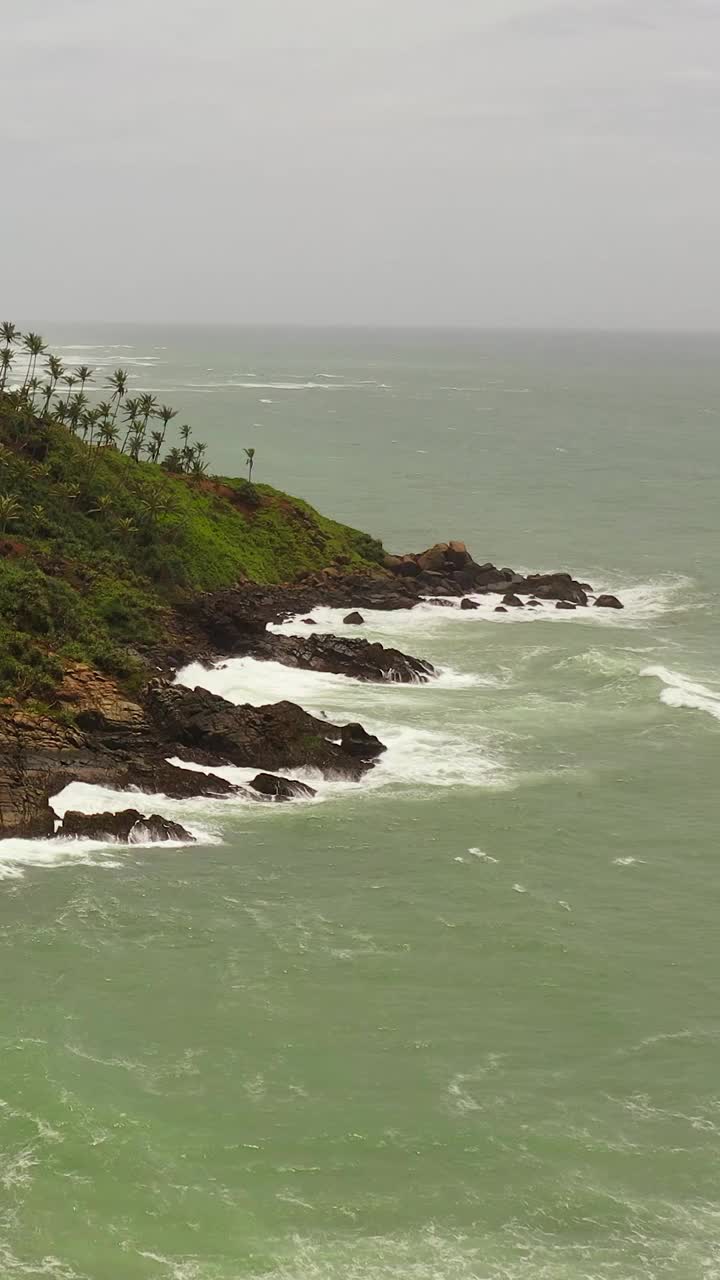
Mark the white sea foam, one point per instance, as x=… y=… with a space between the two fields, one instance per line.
x=415 y=756
x=86 y=798
x=642 y=601
x=681 y=690
x=16 y=855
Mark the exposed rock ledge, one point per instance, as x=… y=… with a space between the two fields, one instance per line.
x=124 y=745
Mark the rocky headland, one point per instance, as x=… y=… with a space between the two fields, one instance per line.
x=96 y=733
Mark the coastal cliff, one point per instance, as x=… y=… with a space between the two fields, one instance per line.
x=116 y=571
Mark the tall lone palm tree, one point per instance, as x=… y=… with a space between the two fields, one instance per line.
x=118 y=380
x=250 y=455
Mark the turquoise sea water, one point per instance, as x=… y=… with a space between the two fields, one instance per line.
x=459 y=1022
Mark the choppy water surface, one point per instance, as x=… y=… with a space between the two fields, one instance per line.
x=458 y=1022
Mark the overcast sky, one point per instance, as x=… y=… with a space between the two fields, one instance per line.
x=489 y=162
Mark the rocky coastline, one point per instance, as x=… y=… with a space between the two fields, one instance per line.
x=96 y=733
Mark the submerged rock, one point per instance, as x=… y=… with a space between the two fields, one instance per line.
x=565 y=604
x=354 y=619
x=513 y=601
x=126 y=827
x=500 y=608
x=608 y=602
x=269 y=784
x=468 y=604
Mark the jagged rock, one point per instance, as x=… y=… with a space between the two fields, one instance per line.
x=555 y=586
x=403 y=566
x=279 y=736
x=608 y=602
x=354 y=656
x=565 y=604
x=358 y=742
x=157 y=777
x=514 y=601
x=354 y=619
x=468 y=604
x=269 y=784
x=126 y=827
x=38 y=756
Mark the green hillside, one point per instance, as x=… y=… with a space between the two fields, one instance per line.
x=96 y=545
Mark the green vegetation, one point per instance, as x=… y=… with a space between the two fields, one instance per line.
x=99 y=539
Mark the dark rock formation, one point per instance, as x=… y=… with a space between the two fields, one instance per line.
x=553 y=586
x=513 y=601
x=565 y=604
x=468 y=604
x=279 y=736
x=500 y=608
x=608 y=602
x=157 y=777
x=354 y=619
x=269 y=784
x=126 y=827
x=342 y=656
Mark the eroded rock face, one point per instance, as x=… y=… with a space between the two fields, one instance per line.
x=269 y=784
x=95 y=700
x=126 y=827
x=278 y=736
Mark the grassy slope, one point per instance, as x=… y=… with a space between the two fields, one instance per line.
x=75 y=582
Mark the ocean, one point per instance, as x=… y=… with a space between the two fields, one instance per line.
x=459 y=1021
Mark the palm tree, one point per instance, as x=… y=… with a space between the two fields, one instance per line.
x=83 y=375
x=155 y=445
x=103 y=505
x=166 y=414
x=34 y=345
x=10 y=509
x=148 y=407
x=7 y=355
x=173 y=462
x=136 y=443
x=131 y=411
x=108 y=434
x=69 y=379
x=9 y=332
x=154 y=505
x=185 y=432
x=126 y=525
x=55 y=372
x=38 y=513
x=250 y=455
x=118 y=380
